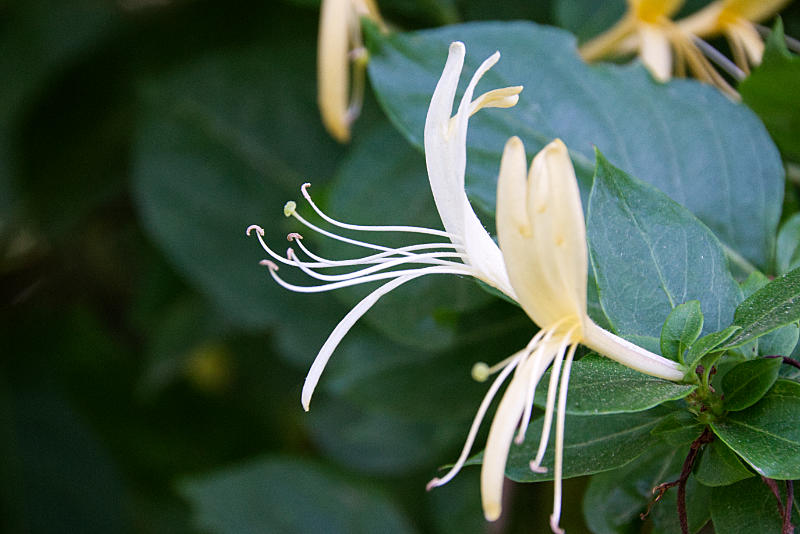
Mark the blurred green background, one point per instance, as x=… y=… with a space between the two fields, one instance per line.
x=151 y=371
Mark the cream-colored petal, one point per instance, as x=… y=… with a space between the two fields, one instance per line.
x=333 y=67
x=446 y=161
x=542 y=233
x=655 y=51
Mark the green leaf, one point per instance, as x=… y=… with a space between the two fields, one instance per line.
x=283 y=495
x=744 y=508
x=598 y=385
x=679 y=428
x=592 y=444
x=765 y=91
x=708 y=344
x=719 y=466
x=766 y=435
x=775 y=305
x=681 y=329
x=787 y=254
x=685 y=138
x=746 y=383
x=649 y=255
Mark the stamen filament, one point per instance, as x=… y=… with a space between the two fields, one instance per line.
x=372 y=258
x=555 y=518
x=366 y=279
x=476 y=422
x=429 y=258
x=370 y=228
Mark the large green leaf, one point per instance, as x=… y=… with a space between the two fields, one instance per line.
x=650 y=254
x=592 y=444
x=745 y=508
x=765 y=92
x=598 y=385
x=775 y=305
x=287 y=495
x=685 y=138
x=767 y=435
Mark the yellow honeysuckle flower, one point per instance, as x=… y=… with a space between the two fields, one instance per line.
x=464 y=248
x=646 y=27
x=542 y=236
x=734 y=19
x=339 y=45
x=662 y=45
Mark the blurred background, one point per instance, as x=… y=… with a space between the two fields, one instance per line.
x=151 y=371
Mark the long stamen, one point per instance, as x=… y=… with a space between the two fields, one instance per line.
x=260 y=236
x=720 y=59
x=555 y=518
x=364 y=279
x=476 y=422
x=554 y=373
x=481 y=371
x=370 y=228
x=380 y=257
x=429 y=258
x=344 y=326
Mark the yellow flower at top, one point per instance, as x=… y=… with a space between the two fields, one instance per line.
x=341 y=62
x=646 y=28
x=734 y=19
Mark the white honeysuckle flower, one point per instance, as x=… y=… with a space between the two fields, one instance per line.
x=342 y=59
x=464 y=248
x=542 y=236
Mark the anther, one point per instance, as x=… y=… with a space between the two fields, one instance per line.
x=480 y=372
x=269 y=264
x=257 y=228
x=289 y=208
x=434 y=483
x=294 y=236
x=537 y=468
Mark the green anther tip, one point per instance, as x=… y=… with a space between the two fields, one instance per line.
x=288 y=209
x=480 y=372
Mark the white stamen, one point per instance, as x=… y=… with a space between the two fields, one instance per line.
x=431 y=258
x=476 y=422
x=367 y=279
x=370 y=228
x=559 y=456
x=346 y=324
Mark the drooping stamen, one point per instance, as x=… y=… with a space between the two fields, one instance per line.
x=555 y=518
x=347 y=323
x=481 y=371
x=476 y=422
x=555 y=370
x=370 y=228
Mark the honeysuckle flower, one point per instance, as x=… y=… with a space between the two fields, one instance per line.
x=663 y=46
x=734 y=19
x=542 y=238
x=464 y=248
x=342 y=58
x=647 y=28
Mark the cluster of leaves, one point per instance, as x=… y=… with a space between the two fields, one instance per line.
x=152 y=372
